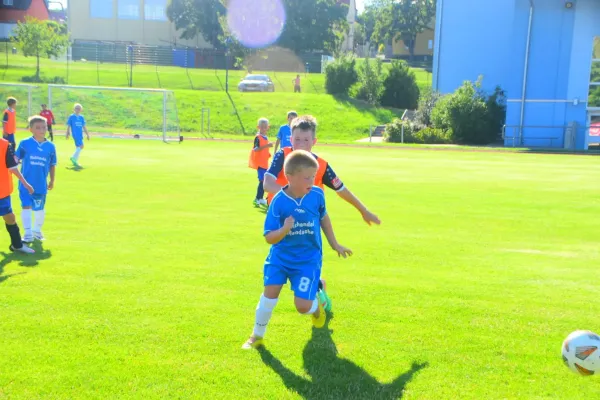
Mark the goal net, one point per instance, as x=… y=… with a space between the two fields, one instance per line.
x=118 y=112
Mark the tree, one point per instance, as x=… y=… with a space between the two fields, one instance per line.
x=404 y=20
x=310 y=25
x=41 y=39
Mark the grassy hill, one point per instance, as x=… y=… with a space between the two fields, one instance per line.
x=341 y=120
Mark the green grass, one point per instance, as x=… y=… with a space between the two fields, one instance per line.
x=147 y=284
x=341 y=119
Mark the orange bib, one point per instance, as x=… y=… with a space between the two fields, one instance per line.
x=260 y=159
x=6 y=180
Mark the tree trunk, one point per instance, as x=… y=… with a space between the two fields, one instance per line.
x=37 y=71
x=411 y=50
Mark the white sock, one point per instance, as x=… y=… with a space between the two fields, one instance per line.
x=77 y=153
x=40 y=216
x=26 y=218
x=264 y=309
x=313 y=308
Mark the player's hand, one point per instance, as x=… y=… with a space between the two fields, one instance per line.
x=28 y=187
x=51 y=185
x=289 y=222
x=341 y=250
x=371 y=218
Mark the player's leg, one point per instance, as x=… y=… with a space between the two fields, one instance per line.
x=39 y=204
x=16 y=243
x=77 y=153
x=260 y=190
x=51 y=133
x=305 y=284
x=274 y=279
x=324 y=299
x=26 y=213
x=11 y=140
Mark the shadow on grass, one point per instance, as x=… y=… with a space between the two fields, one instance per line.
x=332 y=377
x=24 y=260
x=313 y=85
x=237 y=114
x=75 y=168
x=382 y=114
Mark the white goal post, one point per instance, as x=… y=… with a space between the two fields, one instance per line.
x=18 y=90
x=119 y=112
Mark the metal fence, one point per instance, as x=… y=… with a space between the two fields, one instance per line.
x=559 y=136
x=100 y=60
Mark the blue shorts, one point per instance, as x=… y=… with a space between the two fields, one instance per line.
x=10 y=138
x=5 y=206
x=36 y=201
x=261 y=174
x=78 y=140
x=304 y=282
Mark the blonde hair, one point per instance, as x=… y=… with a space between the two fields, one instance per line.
x=35 y=120
x=77 y=105
x=263 y=121
x=305 y=123
x=299 y=160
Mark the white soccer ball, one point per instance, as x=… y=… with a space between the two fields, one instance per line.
x=581 y=352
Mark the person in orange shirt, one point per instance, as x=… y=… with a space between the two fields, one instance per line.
x=8 y=167
x=259 y=158
x=9 y=121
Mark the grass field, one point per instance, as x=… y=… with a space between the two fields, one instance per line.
x=341 y=119
x=147 y=284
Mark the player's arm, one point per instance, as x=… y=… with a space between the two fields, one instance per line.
x=270 y=182
x=278 y=141
x=276 y=236
x=257 y=146
x=13 y=166
x=85 y=130
x=4 y=123
x=52 y=175
x=327 y=229
x=68 y=128
x=331 y=180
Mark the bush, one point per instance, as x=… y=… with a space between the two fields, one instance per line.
x=393 y=131
x=340 y=75
x=469 y=116
x=400 y=87
x=370 y=85
x=431 y=136
x=34 y=79
x=427 y=102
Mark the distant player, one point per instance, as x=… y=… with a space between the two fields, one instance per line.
x=76 y=127
x=296 y=82
x=8 y=167
x=38 y=158
x=259 y=159
x=9 y=121
x=47 y=113
x=284 y=136
x=303 y=138
x=293 y=228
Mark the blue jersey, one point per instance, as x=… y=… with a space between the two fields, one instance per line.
x=37 y=158
x=302 y=246
x=76 y=122
x=285 y=136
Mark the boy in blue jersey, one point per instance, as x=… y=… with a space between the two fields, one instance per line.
x=284 y=136
x=38 y=158
x=293 y=228
x=76 y=127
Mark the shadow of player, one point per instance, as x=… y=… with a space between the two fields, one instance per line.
x=76 y=169
x=333 y=377
x=24 y=260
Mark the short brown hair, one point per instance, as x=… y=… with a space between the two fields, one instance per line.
x=11 y=101
x=306 y=123
x=36 y=119
x=299 y=160
x=293 y=114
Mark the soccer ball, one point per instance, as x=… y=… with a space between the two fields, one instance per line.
x=581 y=352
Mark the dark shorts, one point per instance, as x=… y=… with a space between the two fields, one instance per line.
x=10 y=138
x=5 y=205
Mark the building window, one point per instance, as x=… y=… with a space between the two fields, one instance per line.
x=101 y=8
x=129 y=9
x=594 y=91
x=8 y=2
x=155 y=10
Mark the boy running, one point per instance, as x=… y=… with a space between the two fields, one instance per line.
x=76 y=126
x=259 y=159
x=293 y=228
x=38 y=157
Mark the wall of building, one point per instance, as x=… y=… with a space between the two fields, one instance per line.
x=421 y=45
x=36 y=9
x=106 y=20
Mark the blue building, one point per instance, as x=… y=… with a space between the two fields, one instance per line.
x=544 y=53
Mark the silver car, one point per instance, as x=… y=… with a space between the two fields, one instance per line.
x=256 y=83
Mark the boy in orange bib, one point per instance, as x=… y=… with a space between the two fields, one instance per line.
x=259 y=159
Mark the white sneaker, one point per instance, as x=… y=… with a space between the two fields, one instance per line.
x=28 y=239
x=38 y=235
x=24 y=249
x=262 y=202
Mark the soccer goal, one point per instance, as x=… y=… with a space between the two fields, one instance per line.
x=28 y=97
x=119 y=112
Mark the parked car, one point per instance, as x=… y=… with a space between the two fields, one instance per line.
x=256 y=83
